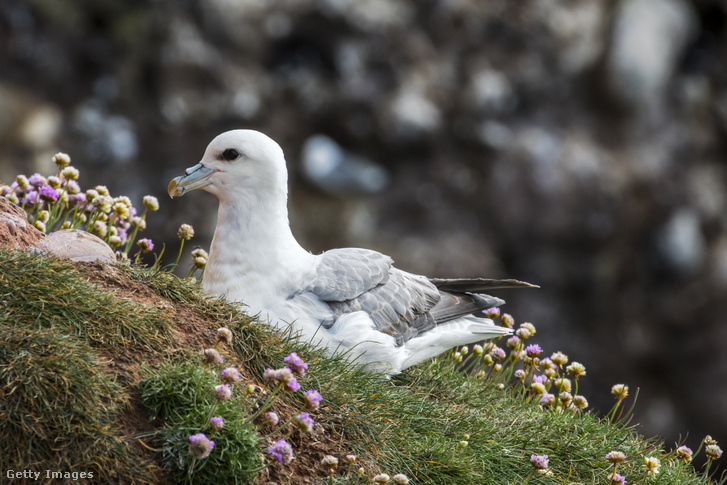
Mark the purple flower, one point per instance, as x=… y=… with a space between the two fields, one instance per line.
x=312 y=399
x=217 y=423
x=547 y=399
x=223 y=392
x=539 y=461
x=540 y=379
x=37 y=180
x=492 y=313
x=616 y=479
x=296 y=364
x=200 y=446
x=304 y=422
x=533 y=350
x=497 y=354
x=48 y=193
x=230 y=374
x=145 y=244
x=282 y=452
x=281 y=376
x=616 y=457
x=272 y=418
x=513 y=342
x=684 y=453
x=30 y=199
x=212 y=356
x=292 y=384
x=78 y=199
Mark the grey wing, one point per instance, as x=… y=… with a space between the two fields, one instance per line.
x=347 y=273
x=352 y=279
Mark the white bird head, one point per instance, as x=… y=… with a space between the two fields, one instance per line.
x=237 y=164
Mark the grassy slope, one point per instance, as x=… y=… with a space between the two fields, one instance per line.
x=84 y=365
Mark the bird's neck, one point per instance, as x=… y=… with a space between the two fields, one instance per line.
x=252 y=243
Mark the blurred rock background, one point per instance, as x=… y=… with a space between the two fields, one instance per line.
x=577 y=144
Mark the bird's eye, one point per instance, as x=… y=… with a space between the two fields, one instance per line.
x=230 y=154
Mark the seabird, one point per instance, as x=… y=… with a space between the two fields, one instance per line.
x=350 y=300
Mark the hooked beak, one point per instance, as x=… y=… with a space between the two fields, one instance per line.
x=196 y=177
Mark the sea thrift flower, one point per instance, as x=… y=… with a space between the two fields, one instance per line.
x=37 y=180
x=507 y=320
x=523 y=333
x=223 y=392
x=114 y=241
x=652 y=465
x=513 y=342
x=708 y=440
x=145 y=244
x=200 y=446
x=211 y=356
x=224 y=335
x=272 y=418
x=61 y=159
x=292 y=385
x=296 y=364
x=477 y=350
x=497 y=354
x=563 y=384
x=457 y=357
x=22 y=182
x=559 y=358
x=713 y=452
x=537 y=387
x=304 y=422
x=684 y=454
x=382 y=478
x=620 y=391
x=330 y=462
x=539 y=461
x=312 y=399
x=565 y=398
x=462 y=444
x=616 y=479
x=48 y=193
x=151 y=203
x=616 y=457
x=576 y=369
x=492 y=313
x=580 y=402
x=217 y=423
x=185 y=232
x=200 y=257
x=349 y=459
x=546 y=364
x=547 y=399
x=533 y=350
x=400 y=479
x=282 y=452
x=70 y=173
x=230 y=375
x=519 y=374
x=54 y=182
x=529 y=326
x=40 y=225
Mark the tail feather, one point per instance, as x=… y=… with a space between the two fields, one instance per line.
x=477 y=285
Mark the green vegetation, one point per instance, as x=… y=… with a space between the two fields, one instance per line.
x=65 y=407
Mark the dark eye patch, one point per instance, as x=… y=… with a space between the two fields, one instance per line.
x=230 y=154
